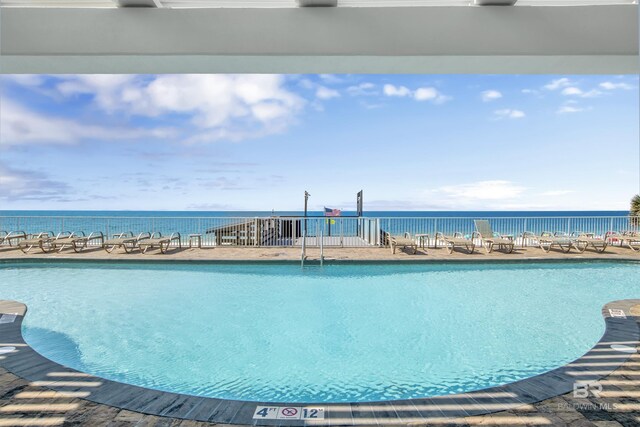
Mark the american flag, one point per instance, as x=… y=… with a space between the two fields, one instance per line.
x=332 y=212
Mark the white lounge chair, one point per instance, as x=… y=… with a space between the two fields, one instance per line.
x=77 y=241
x=125 y=240
x=402 y=241
x=9 y=236
x=41 y=240
x=457 y=240
x=584 y=240
x=546 y=240
x=158 y=241
x=490 y=239
x=631 y=239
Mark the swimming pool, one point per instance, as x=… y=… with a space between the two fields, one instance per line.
x=344 y=332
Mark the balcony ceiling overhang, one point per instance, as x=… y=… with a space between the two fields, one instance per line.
x=191 y=36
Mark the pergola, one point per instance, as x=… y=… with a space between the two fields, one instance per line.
x=345 y=36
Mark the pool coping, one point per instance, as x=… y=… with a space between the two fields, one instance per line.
x=315 y=263
x=27 y=363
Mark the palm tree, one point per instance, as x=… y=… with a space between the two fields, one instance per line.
x=634 y=211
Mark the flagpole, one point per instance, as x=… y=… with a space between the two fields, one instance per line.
x=306 y=198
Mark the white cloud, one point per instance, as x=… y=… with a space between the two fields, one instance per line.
x=106 y=89
x=426 y=94
x=558 y=84
x=29 y=80
x=430 y=94
x=217 y=104
x=362 y=89
x=566 y=109
x=614 y=86
x=19 y=125
x=331 y=78
x=491 y=95
x=572 y=91
x=27 y=185
x=509 y=113
x=575 y=91
x=421 y=94
x=391 y=90
x=483 y=190
x=325 y=93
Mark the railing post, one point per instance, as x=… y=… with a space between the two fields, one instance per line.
x=435 y=233
x=304 y=248
x=321 y=248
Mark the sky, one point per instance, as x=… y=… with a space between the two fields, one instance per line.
x=257 y=142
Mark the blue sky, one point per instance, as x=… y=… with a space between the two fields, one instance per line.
x=257 y=142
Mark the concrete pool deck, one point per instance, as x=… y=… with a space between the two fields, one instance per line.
x=235 y=253
x=37 y=391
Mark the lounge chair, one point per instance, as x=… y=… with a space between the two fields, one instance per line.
x=125 y=240
x=627 y=238
x=546 y=240
x=9 y=236
x=78 y=241
x=402 y=241
x=456 y=241
x=41 y=240
x=489 y=239
x=158 y=241
x=584 y=240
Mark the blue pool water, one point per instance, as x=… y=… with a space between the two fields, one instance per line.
x=345 y=332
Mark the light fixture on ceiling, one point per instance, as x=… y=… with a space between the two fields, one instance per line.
x=494 y=2
x=139 y=3
x=317 y=3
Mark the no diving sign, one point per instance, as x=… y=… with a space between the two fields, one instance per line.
x=288 y=413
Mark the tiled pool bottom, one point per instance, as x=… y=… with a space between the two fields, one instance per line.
x=613 y=358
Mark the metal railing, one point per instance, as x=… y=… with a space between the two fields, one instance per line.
x=282 y=231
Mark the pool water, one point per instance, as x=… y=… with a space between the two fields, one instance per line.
x=345 y=332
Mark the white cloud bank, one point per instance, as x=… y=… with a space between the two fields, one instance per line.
x=482 y=190
x=218 y=106
x=19 y=125
x=28 y=185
